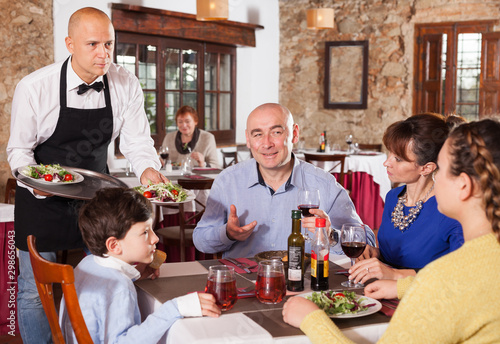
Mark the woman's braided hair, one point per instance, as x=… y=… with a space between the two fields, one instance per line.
x=475 y=150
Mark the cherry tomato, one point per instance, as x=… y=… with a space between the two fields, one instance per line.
x=48 y=177
x=339 y=295
x=147 y=194
x=68 y=177
x=175 y=192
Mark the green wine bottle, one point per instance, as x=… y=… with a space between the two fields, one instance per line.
x=296 y=244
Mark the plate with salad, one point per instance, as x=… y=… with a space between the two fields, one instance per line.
x=51 y=174
x=344 y=304
x=166 y=193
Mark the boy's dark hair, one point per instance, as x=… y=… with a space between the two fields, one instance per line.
x=111 y=213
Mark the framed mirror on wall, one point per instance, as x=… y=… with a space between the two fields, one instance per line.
x=346 y=75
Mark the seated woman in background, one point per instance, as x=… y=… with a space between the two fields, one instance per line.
x=189 y=139
x=413 y=232
x=463 y=284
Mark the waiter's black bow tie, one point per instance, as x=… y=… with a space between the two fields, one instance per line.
x=84 y=87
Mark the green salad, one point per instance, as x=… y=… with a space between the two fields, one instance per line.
x=50 y=173
x=163 y=192
x=337 y=303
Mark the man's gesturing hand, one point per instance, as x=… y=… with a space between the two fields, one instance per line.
x=233 y=229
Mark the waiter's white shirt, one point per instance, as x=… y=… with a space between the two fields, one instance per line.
x=35 y=111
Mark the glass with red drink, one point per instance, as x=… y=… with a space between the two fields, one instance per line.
x=271 y=284
x=308 y=199
x=221 y=283
x=353 y=243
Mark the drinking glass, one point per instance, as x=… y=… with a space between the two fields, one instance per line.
x=348 y=140
x=187 y=164
x=221 y=283
x=308 y=199
x=128 y=169
x=271 y=284
x=164 y=153
x=353 y=242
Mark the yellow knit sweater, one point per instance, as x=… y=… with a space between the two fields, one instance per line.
x=455 y=299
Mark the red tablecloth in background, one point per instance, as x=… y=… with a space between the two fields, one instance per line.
x=8 y=280
x=365 y=195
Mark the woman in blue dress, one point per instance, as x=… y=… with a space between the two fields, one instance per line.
x=413 y=232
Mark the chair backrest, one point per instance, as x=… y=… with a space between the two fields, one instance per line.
x=46 y=273
x=196 y=184
x=371 y=147
x=229 y=158
x=10 y=191
x=337 y=159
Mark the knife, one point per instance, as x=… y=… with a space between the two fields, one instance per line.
x=238 y=264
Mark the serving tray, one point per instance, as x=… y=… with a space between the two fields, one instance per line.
x=85 y=190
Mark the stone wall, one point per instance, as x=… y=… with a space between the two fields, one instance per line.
x=27 y=44
x=388 y=25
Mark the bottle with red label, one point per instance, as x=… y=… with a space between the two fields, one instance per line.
x=322 y=142
x=320 y=250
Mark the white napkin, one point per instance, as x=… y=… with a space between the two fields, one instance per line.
x=233 y=328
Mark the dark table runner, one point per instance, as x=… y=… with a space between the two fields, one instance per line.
x=267 y=316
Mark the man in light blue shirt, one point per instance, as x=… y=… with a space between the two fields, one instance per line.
x=249 y=206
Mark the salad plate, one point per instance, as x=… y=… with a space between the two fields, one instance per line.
x=374 y=307
x=52 y=170
x=190 y=197
x=166 y=193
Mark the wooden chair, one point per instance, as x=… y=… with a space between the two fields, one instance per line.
x=46 y=273
x=243 y=149
x=183 y=233
x=377 y=147
x=337 y=159
x=10 y=191
x=229 y=158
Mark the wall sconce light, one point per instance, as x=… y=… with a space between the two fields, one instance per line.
x=211 y=9
x=320 y=18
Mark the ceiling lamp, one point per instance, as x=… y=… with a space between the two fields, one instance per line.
x=320 y=18
x=211 y=9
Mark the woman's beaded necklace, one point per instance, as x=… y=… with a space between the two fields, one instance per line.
x=403 y=221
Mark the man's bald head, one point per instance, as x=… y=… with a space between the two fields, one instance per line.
x=280 y=110
x=84 y=14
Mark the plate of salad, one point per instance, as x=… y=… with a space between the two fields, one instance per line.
x=52 y=174
x=343 y=304
x=166 y=193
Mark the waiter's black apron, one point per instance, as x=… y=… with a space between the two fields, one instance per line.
x=81 y=139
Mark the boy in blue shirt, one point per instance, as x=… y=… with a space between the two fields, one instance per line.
x=116 y=226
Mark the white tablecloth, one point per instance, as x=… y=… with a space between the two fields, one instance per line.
x=236 y=328
x=6 y=212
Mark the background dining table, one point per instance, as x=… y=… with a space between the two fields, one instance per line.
x=8 y=267
x=369 y=181
x=249 y=321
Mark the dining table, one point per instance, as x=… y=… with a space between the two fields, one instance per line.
x=249 y=321
x=369 y=182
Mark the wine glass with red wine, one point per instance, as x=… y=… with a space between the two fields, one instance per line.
x=164 y=153
x=308 y=199
x=353 y=242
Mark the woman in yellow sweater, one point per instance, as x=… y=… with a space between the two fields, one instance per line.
x=454 y=299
